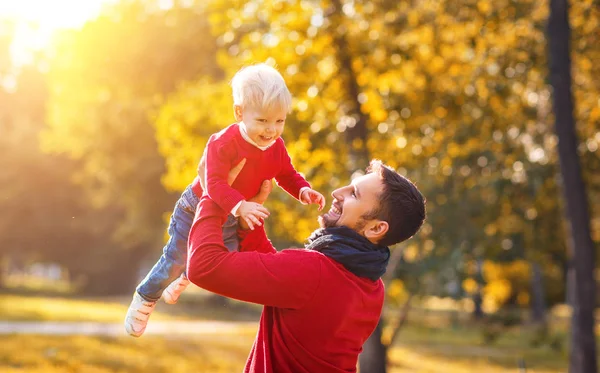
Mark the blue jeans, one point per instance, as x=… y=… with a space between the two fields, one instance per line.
x=173 y=261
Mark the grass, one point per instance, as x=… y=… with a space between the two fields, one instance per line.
x=435 y=338
x=21 y=308
x=38 y=308
x=461 y=349
x=429 y=343
x=35 y=284
x=53 y=354
x=420 y=350
x=154 y=354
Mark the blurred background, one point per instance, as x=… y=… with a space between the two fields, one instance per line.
x=105 y=109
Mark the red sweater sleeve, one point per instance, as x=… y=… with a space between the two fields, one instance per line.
x=288 y=178
x=286 y=279
x=219 y=161
x=255 y=240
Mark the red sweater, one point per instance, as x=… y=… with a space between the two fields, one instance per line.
x=317 y=315
x=226 y=149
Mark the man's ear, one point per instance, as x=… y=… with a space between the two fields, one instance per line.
x=376 y=230
x=237 y=112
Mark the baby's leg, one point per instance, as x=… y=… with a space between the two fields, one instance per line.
x=168 y=268
x=230 y=237
x=172 y=263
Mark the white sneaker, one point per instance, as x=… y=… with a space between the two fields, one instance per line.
x=137 y=315
x=175 y=288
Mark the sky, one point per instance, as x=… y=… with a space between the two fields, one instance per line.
x=38 y=19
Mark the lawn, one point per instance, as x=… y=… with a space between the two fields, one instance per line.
x=199 y=307
x=80 y=354
x=436 y=338
x=204 y=352
x=423 y=346
x=461 y=349
x=419 y=351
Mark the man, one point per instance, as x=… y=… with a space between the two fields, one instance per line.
x=322 y=302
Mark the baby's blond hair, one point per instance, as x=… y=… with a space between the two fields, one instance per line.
x=260 y=86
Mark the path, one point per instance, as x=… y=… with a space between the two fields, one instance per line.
x=117 y=329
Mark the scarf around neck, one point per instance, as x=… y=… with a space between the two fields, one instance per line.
x=355 y=252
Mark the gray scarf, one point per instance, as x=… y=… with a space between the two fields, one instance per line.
x=356 y=253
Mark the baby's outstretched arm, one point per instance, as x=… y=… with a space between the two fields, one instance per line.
x=312 y=196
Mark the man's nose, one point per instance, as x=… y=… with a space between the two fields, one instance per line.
x=337 y=194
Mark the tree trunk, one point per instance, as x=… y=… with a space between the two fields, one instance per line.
x=477 y=297
x=583 y=352
x=538 y=304
x=3 y=270
x=356 y=130
x=401 y=320
x=477 y=302
x=575 y=343
x=373 y=359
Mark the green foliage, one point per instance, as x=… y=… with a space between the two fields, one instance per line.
x=455 y=96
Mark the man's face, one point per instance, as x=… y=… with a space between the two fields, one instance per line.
x=352 y=202
x=263 y=126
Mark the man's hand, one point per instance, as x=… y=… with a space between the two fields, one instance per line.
x=265 y=189
x=312 y=196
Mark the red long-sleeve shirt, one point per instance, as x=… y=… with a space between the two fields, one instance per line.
x=317 y=314
x=226 y=149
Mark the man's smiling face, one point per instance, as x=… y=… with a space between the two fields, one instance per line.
x=352 y=202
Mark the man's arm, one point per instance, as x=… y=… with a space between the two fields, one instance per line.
x=286 y=279
x=255 y=240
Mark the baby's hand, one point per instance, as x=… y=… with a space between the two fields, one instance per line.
x=253 y=213
x=312 y=196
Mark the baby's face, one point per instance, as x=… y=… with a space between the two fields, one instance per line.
x=263 y=126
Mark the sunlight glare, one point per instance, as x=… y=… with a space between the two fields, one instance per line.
x=36 y=21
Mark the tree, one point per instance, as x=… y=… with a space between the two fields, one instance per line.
x=106 y=81
x=452 y=95
x=46 y=219
x=583 y=348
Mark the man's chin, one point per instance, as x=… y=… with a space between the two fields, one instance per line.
x=325 y=222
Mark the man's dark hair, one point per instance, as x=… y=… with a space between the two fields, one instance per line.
x=401 y=205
